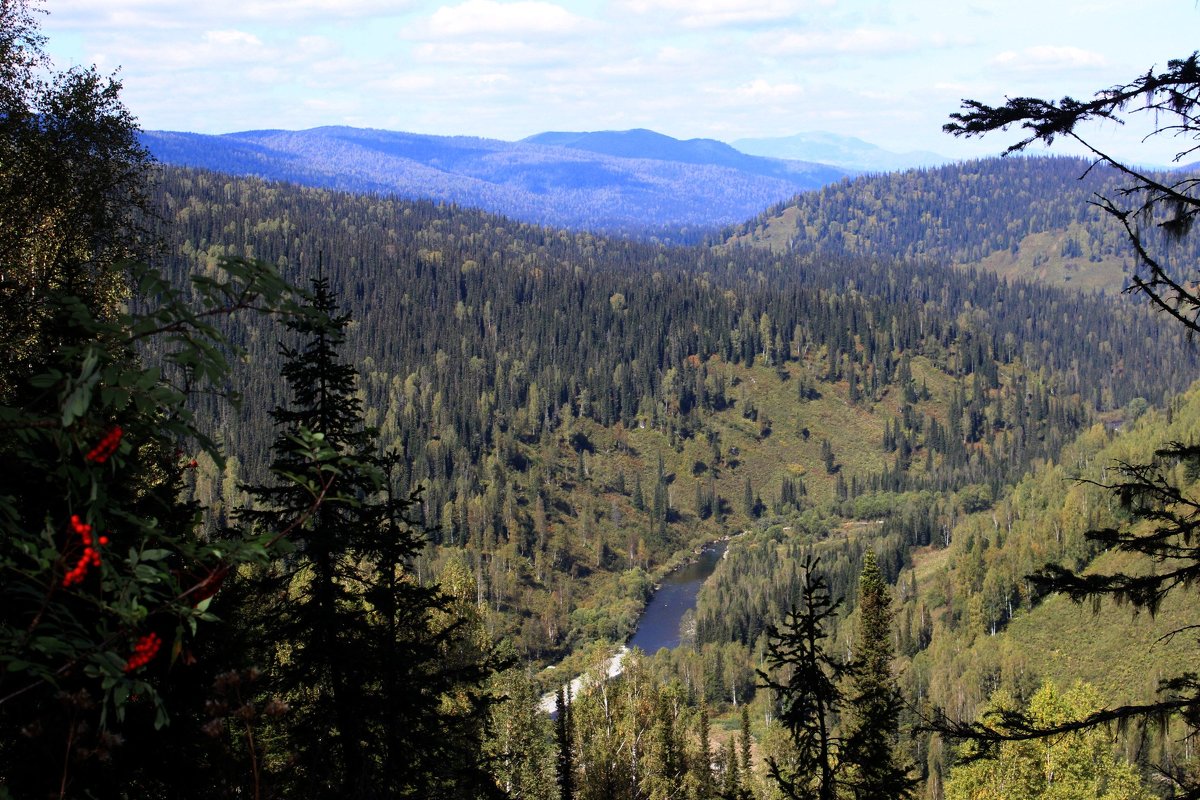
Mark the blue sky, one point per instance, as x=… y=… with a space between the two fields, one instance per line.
x=888 y=72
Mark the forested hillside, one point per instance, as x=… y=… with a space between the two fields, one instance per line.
x=651 y=186
x=311 y=493
x=969 y=622
x=1020 y=217
x=575 y=408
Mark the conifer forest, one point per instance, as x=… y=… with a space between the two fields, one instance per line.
x=311 y=493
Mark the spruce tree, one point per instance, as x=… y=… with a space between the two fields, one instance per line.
x=705 y=783
x=310 y=597
x=731 y=779
x=875 y=702
x=745 y=742
x=385 y=676
x=805 y=678
x=562 y=731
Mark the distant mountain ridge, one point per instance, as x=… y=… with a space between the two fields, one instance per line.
x=847 y=152
x=643 y=143
x=629 y=182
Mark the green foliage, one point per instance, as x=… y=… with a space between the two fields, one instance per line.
x=100 y=556
x=105 y=581
x=71 y=195
x=109 y=574
x=1027 y=219
x=806 y=678
x=521 y=746
x=1156 y=214
x=637 y=737
x=1070 y=765
x=565 y=762
x=386 y=677
x=536 y=434
x=875 y=704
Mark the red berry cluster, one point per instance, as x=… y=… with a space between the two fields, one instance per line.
x=145 y=649
x=108 y=445
x=91 y=551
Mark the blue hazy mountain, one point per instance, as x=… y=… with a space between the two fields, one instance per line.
x=642 y=143
x=636 y=181
x=846 y=152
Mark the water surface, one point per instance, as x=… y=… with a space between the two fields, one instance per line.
x=659 y=625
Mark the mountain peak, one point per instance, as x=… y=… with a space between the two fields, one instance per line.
x=634 y=181
x=847 y=152
x=636 y=143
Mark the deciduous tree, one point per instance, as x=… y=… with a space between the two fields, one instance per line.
x=1077 y=764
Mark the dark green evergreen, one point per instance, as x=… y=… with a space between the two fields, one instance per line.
x=731 y=777
x=805 y=679
x=311 y=597
x=562 y=734
x=371 y=655
x=745 y=740
x=874 y=704
x=704 y=770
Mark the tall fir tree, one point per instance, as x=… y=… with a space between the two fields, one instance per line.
x=745 y=741
x=385 y=676
x=310 y=597
x=875 y=703
x=705 y=783
x=562 y=731
x=805 y=678
x=731 y=778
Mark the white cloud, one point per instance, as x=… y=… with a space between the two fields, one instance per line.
x=333 y=106
x=716 y=13
x=228 y=38
x=1048 y=57
x=859 y=41
x=217 y=52
x=523 y=19
x=761 y=89
x=512 y=67
x=668 y=66
x=492 y=54
x=127 y=14
x=405 y=82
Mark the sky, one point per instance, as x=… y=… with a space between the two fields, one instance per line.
x=887 y=72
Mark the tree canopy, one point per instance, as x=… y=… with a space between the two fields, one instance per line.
x=1155 y=210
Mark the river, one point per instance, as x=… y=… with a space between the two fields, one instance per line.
x=659 y=624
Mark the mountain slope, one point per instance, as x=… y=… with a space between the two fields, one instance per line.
x=564 y=186
x=1018 y=217
x=642 y=143
x=579 y=410
x=973 y=623
x=846 y=152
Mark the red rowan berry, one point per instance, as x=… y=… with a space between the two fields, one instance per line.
x=91 y=555
x=144 y=651
x=107 y=446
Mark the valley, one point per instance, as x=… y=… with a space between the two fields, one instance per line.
x=597 y=464
x=820 y=402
